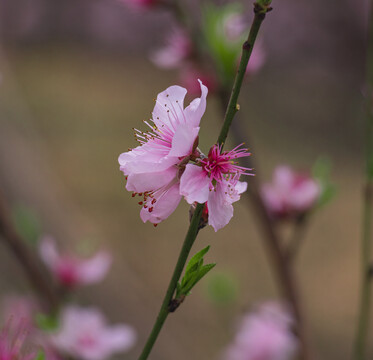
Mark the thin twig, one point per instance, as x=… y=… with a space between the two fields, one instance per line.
x=30 y=264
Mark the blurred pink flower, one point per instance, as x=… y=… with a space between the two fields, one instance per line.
x=257 y=59
x=290 y=194
x=71 y=270
x=178 y=47
x=264 y=335
x=188 y=75
x=84 y=335
x=214 y=180
x=12 y=338
x=152 y=168
x=234 y=26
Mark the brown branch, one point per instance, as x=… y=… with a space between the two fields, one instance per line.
x=281 y=267
x=30 y=263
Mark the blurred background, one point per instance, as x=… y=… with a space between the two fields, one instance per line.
x=76 y=77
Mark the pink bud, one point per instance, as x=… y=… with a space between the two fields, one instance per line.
x=290 y=194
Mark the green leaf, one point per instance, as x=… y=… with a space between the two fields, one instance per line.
x=195 y=260
x=194 y=272
x=322 y=172
x=222 y=288
x=46 y=322
x=40 y=355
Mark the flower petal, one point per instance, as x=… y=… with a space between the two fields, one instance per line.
x=219 y=207
x=183 y=140
x=197 y=107
x=169 y=108
x=166 y=203
x=194 y=184
x=94 y=269
x=141 y=182
x=48 y=252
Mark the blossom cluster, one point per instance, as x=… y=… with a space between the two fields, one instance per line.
x=265 y=334
x=290 y=195
x=168 y=165
x=80 y=333
x=74 y=332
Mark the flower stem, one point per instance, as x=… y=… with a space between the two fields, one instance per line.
x=260 y=9
x=164 y=311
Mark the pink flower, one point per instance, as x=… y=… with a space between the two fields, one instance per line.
x=257 y=59
x=71 y=270
x=12 y=338
x=178 y=47
x=84 y=335
x=152 y=169
x=290 y=194
x=214 y=180
x=264 y=335
x=234 y=26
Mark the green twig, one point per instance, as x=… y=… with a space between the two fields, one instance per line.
x=165 y=310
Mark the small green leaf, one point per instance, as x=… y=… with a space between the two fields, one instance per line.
x=322 y=172
x=222 y=288
x=46 y=322
x=40 y=355
x=194 y=272
x=193 y=262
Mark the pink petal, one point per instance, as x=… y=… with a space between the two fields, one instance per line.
x=283 y=177
x=48 y=251
x=183 y=140
x=169 y=108
x=164 y=206
x=304 y=196
x=150 y=181
x=219 y=207
x=197 y=107
x=94 y=270
x=144 y=159
x=119 y=338
x=194 y=184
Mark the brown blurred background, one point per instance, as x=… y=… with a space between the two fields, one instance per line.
x=75 y=78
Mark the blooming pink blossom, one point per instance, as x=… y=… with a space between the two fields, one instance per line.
x=214 y=180
x=234 y=26
x=290 y=194
x=264 y=335
x=12 y=338
x=71 y=270
x=84 y=334
x=152 y=169
x=257 y=59
x=178 y=47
